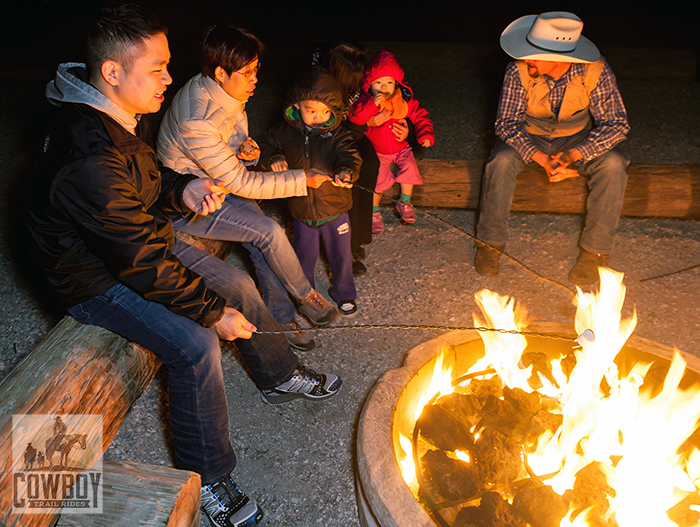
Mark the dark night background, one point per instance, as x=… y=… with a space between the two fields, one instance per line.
x=38 y=33
x=35 y=36
x=421 y=276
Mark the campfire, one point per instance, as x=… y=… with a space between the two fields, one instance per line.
x=549 y=438
x=535 y=425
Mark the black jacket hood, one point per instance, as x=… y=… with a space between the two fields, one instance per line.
x=315 y=84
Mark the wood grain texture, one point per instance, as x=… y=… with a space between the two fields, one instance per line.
x=76 y=369
x=659 y=191
x=137 y=494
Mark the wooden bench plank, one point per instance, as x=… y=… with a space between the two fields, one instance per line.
x=76 y=369
x=136 y=494
x=662 y=191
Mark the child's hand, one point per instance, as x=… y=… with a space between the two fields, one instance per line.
x=426 y=143
x=380 y=118
x=343 y=179
x=279 y=166
x=249 y=150
x=379 y=99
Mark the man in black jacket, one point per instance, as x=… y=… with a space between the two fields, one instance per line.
x=100 y=231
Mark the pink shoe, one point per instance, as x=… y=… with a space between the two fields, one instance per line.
x=377 y=223
x=405 y=210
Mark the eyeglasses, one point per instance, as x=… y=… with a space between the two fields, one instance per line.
x=250 y=72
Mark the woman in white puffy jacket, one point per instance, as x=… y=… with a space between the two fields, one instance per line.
x=205 y=132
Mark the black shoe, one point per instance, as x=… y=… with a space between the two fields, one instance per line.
x=347 y=308
x=585 y=271
x=358 y=268
x=304 y=383
x=359 y=254
x=224 y=504
x=486 y=259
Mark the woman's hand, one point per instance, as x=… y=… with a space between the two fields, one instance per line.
x=316 y=178
x=400 y=129
x=279 y=166
x=249 y=150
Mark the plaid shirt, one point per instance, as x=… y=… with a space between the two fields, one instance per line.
x=606 y=107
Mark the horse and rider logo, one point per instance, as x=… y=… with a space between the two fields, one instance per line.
x=57 y=462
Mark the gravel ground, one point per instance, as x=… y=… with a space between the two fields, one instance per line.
x=297 y=460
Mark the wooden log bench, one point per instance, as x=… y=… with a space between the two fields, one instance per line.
x=79 y=369
x=138 y=494
x=659 y=191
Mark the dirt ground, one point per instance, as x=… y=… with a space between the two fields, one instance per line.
x=297 y=459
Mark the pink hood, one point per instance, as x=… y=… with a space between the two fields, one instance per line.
x=383 y=64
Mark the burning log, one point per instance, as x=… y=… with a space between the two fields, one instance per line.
x=446 y=424
x=540 y=366
x=540 y=507
x=497 y=458
x=511 y=415
x=454 y=479
x=481 y=389
x=542 y=420
x=591 y=489
x=493 y=511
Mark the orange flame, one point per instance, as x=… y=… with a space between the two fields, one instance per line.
x=634 y=436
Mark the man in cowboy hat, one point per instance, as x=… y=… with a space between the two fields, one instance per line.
x=561 y=109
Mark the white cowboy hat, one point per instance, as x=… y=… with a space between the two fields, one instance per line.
x=554 y=36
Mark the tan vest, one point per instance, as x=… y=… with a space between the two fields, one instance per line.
x=573 y=114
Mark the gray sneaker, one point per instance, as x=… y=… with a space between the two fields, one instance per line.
x=317 y=309
x=224 y=504
x=298 y=337
x=304 y=383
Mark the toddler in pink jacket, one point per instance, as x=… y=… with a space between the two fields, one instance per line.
x=384 y=105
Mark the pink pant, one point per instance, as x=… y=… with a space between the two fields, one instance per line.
x=408 y=170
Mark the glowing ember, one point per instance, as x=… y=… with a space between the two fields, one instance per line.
x=634 y=436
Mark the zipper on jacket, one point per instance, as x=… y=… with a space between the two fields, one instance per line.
x=310 y=201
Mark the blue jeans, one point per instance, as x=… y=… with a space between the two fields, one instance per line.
x=276 y=265
x=192 y=353
x=336 y=240
x=607 y=179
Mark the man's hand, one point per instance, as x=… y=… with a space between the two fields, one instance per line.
x=556 y=171
x=400 y=129
x=249 y=150
x=343 y=179
x=316 y=178
x=204 y=195
x=567 y=157
x=233 y=325
x=279 y=166
x=565 y=160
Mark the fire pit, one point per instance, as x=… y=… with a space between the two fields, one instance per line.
x=388 y=493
